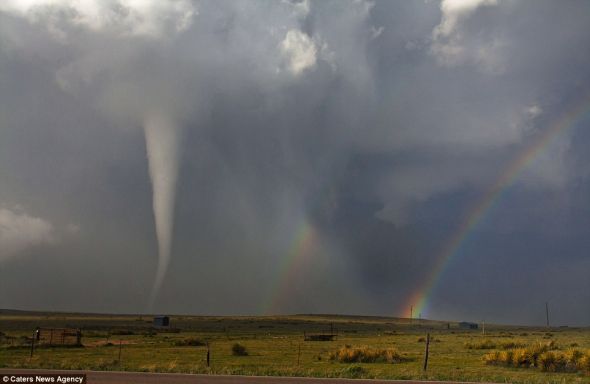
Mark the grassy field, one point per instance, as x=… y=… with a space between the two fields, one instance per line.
x=276 y=346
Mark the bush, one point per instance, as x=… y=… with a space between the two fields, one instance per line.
x=584 y=362
x=572 y=358
x=347 y=354
x=486 y=344
x=520 y=357
x=492 y=358
x=552 y=362
x=540 y=356
x=188 y=342
x=238 y=350
x=353 y=371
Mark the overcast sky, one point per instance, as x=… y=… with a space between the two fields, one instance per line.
x=252 y=157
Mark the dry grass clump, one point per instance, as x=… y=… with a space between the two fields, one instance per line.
x=572 y=360
x=348 y=354
x=485 y=344
x=520 y=357
x=543 y=356
x=488 y=344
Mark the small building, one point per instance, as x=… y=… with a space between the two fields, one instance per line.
x=161 y=321
x=467 y=325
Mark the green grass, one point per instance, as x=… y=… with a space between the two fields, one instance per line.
x=276 y=346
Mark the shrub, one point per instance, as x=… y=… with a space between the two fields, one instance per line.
x=520 y=358
x=486 y=344
x=584 y=362
x=492 y=358
x=552 y=362
x=238 y=350
x=507 y=357
x=188 y=342
x=512 y=344
x=347 y=354
x=572 y=358
x=540 y=356
x=353 y=371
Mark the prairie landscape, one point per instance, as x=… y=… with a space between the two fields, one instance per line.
x=408 y=165
x=364 y=347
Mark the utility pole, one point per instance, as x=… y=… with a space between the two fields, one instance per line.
x=411 y=313
x=547 y=312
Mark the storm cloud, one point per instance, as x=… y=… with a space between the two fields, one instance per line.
x=174 y=152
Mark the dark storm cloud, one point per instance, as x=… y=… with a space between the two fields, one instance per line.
x=377 y=124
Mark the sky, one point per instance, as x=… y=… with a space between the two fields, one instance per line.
x=281 y=157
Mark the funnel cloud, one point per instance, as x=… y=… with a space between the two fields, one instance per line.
x=162 y=144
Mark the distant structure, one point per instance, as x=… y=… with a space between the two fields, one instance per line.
x=467 y=325
x=161 y=321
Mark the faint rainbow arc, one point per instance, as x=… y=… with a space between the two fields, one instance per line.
x=293 y=261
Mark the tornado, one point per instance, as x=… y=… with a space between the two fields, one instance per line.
x=162 y=144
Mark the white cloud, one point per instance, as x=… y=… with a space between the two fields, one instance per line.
x=451 y=47
x=126 y=17
x=299 y=50
x=19 y=231
x=454 y=11
x=533 y=111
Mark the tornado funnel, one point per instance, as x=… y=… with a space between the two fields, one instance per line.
x=162 y=144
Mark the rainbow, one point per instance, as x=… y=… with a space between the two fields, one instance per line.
x=420 y=298
x=293 y=263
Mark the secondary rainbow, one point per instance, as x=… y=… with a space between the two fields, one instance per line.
x=292 y=265
x=419 y=300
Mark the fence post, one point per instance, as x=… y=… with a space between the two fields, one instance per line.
x=426 y=353
x=33 y=343
x=208 y=354
x=120 y=346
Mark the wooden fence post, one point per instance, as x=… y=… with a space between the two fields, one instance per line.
x=120 y=346
x=426 y=353
x=33 y=343
x=208 y=354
